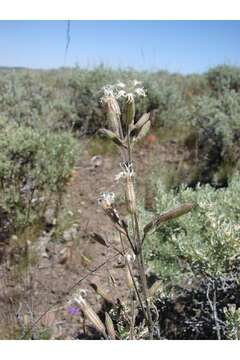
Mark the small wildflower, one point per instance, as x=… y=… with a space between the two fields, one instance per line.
x=127 y=171
x=72 y=310
x=130 y=98
x=141 y=92
x=119 y=176
x=127 y=168
x=106 y=199
x=79 y=296
x=120 y=85
x=121 y=93
x=136 y=82
x=109 y=102
x=108 y=90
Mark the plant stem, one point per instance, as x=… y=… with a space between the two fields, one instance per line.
x=139 y=254
x=141 y=269
x=133 y=280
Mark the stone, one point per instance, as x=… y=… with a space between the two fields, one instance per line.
x=49 y=217
x=71 y=233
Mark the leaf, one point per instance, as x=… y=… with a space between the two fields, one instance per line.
x=172 y=214
x=154 y=288
x=92 y=316
x=98 y=238
x=143 y=119
x=112 y=280
x=85 y=260
x=110 y=326
x=112 y=136
x=102 y=293
x=144 y=130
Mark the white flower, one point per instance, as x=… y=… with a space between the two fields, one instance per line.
x=119 y=176
x=108 y=100
x=140 y=92
x=120 y=85
x=121 y=93
x=108 y=90
x=130 y=97
x=127 y=169
x=79 y=300
x=106 y=199
x=79 y=297
x=131 y=90
x=136 y=82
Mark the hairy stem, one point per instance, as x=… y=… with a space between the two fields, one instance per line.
x=139 y=254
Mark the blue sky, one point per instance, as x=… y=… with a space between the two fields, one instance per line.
x=177 y=46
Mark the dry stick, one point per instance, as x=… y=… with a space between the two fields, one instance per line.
x=68 y=292
x=213 y=307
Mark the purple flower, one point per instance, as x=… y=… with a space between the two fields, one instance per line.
x=72 y=310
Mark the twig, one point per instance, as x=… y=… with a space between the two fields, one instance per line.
x=213 y=306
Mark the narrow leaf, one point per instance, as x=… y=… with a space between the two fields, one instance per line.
x=172 y=214
x=139 y=124
x=112 y=136
x=98 y=238
x=110 y=326
x=102 y=293
x=92 y=316
x=144 y=130
x=154 y=288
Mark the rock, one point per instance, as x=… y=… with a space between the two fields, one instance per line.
x=71 y=234
x=65 y=255
x=49 y=217
x=96 y=161
x=42 y=243
x=45 y=255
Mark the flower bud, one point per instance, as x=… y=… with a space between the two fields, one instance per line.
x=112 y=111
x=129 y=110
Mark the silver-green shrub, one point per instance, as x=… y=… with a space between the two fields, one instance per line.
x=34 y=166
x=204 y=242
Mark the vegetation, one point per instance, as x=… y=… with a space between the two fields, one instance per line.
x=183 y=253
x=33 y=166
x=203 y=110
x=205 y=242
